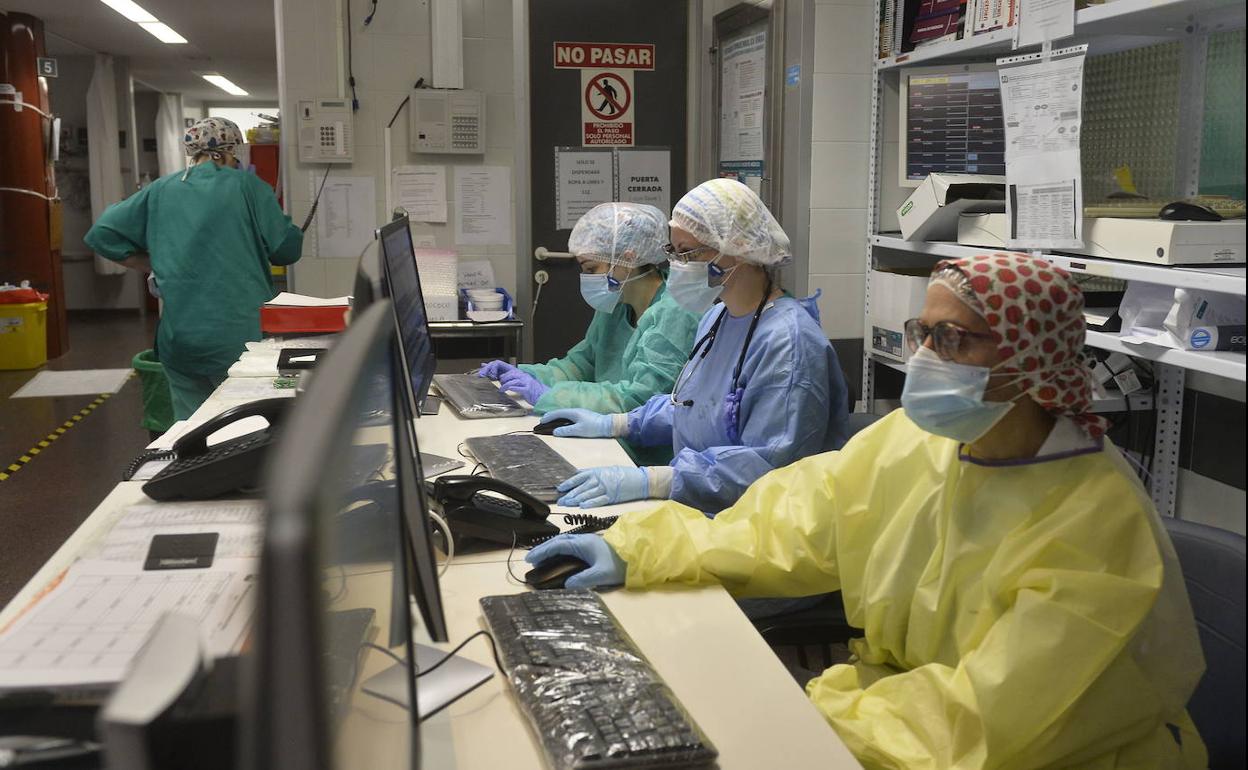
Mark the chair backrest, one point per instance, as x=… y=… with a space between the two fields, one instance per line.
x=1213 y=569
x=859 y=420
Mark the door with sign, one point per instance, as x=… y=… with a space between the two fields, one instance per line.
x=607 y=84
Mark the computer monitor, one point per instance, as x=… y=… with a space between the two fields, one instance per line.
x=401 y=283
x=950 y=122
x=300 y=708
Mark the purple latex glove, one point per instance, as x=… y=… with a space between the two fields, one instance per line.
x=495 y=369
x=522 y=383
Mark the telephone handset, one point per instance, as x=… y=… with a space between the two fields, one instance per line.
x=489 y=509
x=199 y=471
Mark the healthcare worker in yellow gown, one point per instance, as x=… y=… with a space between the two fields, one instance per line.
x=1020 y=603
x=208 y=235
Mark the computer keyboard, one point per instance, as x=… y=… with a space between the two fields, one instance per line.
x=345 y=633
x=592 y=699
x=476 y=397
x=225 y=467
x=1141 y=208
x=522 y=460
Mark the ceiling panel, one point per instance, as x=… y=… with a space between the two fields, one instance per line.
x=233 y=37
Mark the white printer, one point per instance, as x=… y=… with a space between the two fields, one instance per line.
x=1151 y=241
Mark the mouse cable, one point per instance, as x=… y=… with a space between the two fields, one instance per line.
x=509 y=555
x=460 y=646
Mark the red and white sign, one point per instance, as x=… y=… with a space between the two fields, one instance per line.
x=607 y=108
x=619 y=56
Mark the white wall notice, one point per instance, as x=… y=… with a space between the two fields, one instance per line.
x=483 y=205
x=422 y=191
x=1042 y=20
x=346 y=216
x=583 y=179
x=1042 y=101
x=742 y=99
x=645 y=176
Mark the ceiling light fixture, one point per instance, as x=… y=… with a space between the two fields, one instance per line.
x=134 y=12
x=225 y=84
x=162 y=32
x=130 y=10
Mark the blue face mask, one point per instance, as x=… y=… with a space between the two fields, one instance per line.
x=690 y=284
x=947 y=398
x=601 y=292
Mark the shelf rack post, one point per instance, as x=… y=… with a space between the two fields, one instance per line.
x=1169 y=410
x=873 y=217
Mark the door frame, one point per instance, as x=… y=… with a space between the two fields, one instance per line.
x=522 y=171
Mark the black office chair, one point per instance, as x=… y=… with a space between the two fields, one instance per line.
x=1213 y=569
x=859 y=420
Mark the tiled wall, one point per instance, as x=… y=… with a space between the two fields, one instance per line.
x=840 y=136
x=389 y=56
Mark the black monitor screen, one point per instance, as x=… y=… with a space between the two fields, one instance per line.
x=402 y=285
x=953 y=124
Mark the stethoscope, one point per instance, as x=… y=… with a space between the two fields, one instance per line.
x=703 y=348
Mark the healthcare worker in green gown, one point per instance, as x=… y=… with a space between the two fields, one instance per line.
x=208 y=236
x=639 y=337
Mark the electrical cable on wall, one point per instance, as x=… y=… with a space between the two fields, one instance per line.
x=315 y=202
x=355 y=102
x=420 y=83
x=373 y=12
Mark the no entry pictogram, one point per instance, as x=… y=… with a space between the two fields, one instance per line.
x=608 y=96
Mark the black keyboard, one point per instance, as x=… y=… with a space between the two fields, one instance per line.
x=592 y=698
x=522 y=460
x=225 y=467
x=345 y=633
x=476 y=397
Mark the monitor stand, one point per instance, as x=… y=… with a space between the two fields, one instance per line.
x=436 y=690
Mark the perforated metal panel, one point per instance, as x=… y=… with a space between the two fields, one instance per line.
x=1131 y=118
x=1222 y=157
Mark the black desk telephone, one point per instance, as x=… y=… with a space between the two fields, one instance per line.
x=508 y=516
x=199 y=472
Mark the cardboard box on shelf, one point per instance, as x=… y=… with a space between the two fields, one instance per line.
x=896 y=297
x=931 y=212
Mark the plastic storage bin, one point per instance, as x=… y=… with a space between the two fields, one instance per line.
x=23 y=335
x=157 y=400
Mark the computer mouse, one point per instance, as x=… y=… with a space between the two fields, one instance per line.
x=548 y=428
x=554 y=572
x=1182 y=211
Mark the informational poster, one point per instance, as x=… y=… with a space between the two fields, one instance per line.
x=421 y=190
x=742 y=102
x=483 y=205
x=346 y=216
x=1042 y=101
x=645 y=176
x=1044 y=20
x=583 y=179
x=607 y=93
x=607 y=108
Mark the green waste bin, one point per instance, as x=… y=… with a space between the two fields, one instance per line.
x=157 y=400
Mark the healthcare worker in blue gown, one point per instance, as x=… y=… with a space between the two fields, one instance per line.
x=762 y=386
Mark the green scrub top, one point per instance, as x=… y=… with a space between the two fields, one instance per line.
x=212 y=238
x=620 y=365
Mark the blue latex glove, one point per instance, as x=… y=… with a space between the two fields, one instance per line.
x=588 y=424
x=605 y=486
x=529 y=387
x=605 y=567
x=495 y=369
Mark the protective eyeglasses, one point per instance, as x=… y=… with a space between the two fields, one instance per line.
x=947 y=337
x=683 y=256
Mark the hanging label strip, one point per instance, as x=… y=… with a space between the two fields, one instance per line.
x=1042 y=101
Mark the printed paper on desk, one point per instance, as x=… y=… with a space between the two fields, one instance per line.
x=238 y=522
x=1042 y=103
x=289 y=299
x=476 y=274
x=87 y=628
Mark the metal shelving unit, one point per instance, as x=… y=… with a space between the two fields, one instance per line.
x=1117 y=25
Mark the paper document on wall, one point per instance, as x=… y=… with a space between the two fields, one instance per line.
x=483 y=205
x=645 y=176
x=583 y=179
x=421 y=190
x=1042 y=20
x=88 y=626
x=346 y=216
x=1042 y=102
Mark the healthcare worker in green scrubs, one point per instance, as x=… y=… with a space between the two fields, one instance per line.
x=639 y=337
x=208 y=236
